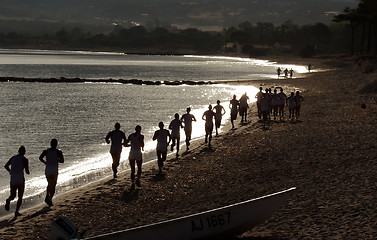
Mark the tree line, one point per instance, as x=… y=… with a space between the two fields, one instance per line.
x=253 y=39
x=363 y=24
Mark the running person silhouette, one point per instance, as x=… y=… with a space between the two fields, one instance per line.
x=136 y=142
x=163 y=138
x=175 y=126
x=259 y=96
x=118 y=139
x=298 y=99
x=16 y=166
x=243 y=107
x=219 y=113
x=234 y=108
x=53 y=157
x=187 y=119
x=208 y=117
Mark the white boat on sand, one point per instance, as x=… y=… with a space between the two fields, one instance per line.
x=224 y=222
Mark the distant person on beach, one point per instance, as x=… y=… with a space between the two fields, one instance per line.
x=234 y=108
x=291 y=105
x=298 y=100
x=244 y=105
x=309 y=67
x=16 y=166
x=291 y=73
x=278 y=71
x=187 y=119
x=118 y=139
x=259 y=97
x=136 y=142
x=208 y=117
x=163 y=138
x=283 y=99
x=175 y=127
x=286 y=72
x=219 y=113
x=53 y=157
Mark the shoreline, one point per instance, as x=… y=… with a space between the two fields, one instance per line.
x=150 y=163
x=147 y=166
x=329 y=155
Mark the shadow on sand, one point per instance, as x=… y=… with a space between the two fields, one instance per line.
x=111 y=182
x=158 y=177
x=43 y=211
x=130 y=195
x=6 y=223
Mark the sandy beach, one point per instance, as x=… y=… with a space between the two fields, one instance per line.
x=329 y=155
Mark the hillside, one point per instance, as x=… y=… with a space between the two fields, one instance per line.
x=204 y=14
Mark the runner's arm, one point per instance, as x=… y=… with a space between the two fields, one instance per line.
x=44 y=153
x=26 y=164
x=155 y=135
x=142 y=142
x=107 y=138
x=60 y=156
x=6 y=166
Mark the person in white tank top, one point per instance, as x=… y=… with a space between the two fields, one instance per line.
x=53 y=157
x=187 y=119
x=163 y=138
x=136 y=142
x=16 y=166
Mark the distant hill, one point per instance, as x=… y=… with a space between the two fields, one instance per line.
x=45 y=15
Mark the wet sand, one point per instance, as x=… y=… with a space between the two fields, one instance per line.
x=329 y=155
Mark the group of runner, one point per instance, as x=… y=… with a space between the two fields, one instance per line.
x=212 y=117
x=19 y=164
x=269 y=103
x=286 y=72
x=135 y=141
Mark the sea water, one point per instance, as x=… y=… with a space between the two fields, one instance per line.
x=80 y=115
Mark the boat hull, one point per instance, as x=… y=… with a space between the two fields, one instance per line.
x=222 y=222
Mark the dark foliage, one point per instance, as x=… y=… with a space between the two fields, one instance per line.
x=253 y=39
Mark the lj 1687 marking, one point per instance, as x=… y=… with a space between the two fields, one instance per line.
x=210 y=222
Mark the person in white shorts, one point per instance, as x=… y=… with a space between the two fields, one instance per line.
x=219 y=113
x=208 y=117
x=175 y=127
x=163 y=138
x=187 y=119
x=16 y=166
x=53 y=157
x=136 y=142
